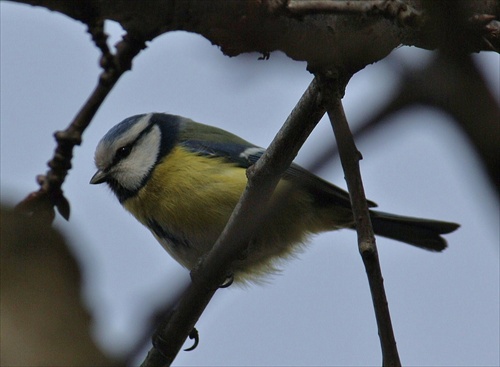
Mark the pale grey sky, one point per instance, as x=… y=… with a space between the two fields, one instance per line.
x=445 y=307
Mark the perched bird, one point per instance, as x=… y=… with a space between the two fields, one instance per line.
x=182 y=180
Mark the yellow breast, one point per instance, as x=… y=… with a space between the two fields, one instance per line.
x=190 y=193
x=192 y=197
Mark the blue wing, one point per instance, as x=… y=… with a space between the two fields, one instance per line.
x=244 y=156
x=323 y=191
x=233 y=152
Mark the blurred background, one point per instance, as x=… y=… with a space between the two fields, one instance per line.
x=318 y=311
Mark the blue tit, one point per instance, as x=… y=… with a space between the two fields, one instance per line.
x=182 y=180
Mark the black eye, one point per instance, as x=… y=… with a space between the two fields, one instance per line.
x=123 y=152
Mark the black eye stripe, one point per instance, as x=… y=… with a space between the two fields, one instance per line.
x=124 y=151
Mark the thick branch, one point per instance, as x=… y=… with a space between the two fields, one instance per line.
x=351 y=36
x=263 y=178
x=350 y=156
x=399 y=10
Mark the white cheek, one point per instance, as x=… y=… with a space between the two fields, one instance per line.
x=107 y=146
x=132 y=170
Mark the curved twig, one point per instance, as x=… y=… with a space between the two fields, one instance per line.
x=50 y=194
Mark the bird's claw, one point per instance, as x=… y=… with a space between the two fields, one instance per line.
x=193 y=335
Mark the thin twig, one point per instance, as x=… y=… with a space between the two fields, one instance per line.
x=350 y=156
x=50 y=194
x=262 y=180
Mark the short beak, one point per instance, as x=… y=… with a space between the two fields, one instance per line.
x=98 y=178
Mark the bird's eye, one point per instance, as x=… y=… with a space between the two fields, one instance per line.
x=123 y=152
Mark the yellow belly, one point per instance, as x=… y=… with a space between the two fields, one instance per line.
x=193 y=196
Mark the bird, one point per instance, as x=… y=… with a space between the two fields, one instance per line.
x=182 y=179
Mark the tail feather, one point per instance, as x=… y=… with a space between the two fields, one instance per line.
x=423 y=233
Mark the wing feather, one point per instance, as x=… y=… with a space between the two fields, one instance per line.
x=214 y=142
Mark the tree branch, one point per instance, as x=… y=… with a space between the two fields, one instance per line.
x=50 y=194
x=350 y=156
x=214 y=269
x=351 y=36
x=399 y=10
